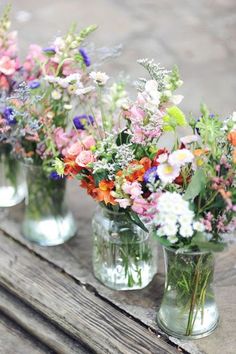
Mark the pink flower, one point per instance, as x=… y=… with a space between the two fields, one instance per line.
x=84 y=158
x=140 y=206
x=124 y=203
x=4 y=85
x=75 y=149
x=132 y=188
x=137 y=113
x=7 y=66
x=88 y=142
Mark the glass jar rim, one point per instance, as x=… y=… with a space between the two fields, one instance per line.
x=186 y=252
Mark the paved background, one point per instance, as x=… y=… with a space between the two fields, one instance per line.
x=199 y=36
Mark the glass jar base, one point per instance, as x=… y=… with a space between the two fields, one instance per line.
x=9 y=197
x=115 y=280
x=185 y=337
x=50 y=231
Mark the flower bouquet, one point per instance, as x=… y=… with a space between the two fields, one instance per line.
x=12 y=182
x=194 y=188
x=40 y=108
x=113 y=158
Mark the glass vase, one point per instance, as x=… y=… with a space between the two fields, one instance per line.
x=47 y=220
x=12 y=178
x=188 y=308
x=124 y=256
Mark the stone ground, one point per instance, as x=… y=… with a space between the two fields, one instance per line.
x=199 y=36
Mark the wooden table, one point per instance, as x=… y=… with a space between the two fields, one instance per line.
x=51 y=303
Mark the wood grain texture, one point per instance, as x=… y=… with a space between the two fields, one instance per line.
x=37 y=326
x=13 y=340
x=74 y=309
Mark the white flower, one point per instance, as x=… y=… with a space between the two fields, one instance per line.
x=84 y=90
x=162 y=158
x=176 y=99
x=198 y=226
x=99 y=77
x=234 y=117
x=73 y=77
x=50 y=78
x=56 y=95
x=180 y=157
x=189 y=139
x=168 y=173
x=170 y=229
x=186 y=231
x=68 y=107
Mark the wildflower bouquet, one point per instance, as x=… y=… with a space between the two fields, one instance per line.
x=41 y=108
x=194 y=189
x=116 y=148
x=11 y=183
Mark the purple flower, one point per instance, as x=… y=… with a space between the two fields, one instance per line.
x=80 y=122
x=151 y=174
x=49 y=51
x=9 y=116
x=55 y=176
x=85 y=57
x=34 y=84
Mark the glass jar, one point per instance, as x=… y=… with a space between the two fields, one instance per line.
x=124 y=256
x=12 y=178
x=47 y=220
x=188 y=308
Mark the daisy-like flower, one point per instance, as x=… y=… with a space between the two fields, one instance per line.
x=181 y=157
x=99 y=77
x=84 y=90
x=56 y=95
x=167 y=172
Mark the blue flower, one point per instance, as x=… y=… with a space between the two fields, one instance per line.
x=151 y=174
x=80 y=122
x=9 y=116
x=49 y=51
x=34 y=84
x=85 y=57
x=55 y=176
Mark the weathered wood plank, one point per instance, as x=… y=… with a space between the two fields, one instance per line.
x=15 y=341
x=37 y=326
x=73 y=308
x=74 y=258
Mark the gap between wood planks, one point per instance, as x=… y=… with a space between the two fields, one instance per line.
x=92 y=290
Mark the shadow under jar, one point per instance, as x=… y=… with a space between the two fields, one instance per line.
x=188 y=309
x=47 y=220
x=12 y=178
x=124 y=256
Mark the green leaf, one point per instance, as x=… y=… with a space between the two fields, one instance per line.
x=99 y=176
x=175 y=117
x=136 y=220
x=197 y=184
x=123 y=138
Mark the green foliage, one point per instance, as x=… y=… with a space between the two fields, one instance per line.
x=175 y=117
x=174 y=80
x=135 y=219
x=196 y=186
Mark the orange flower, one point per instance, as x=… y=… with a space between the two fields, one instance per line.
x=145 y=163
x=234 y=156
x=232 y=138
x=103 y=192
x=200 y=152
x=71 y=167
x=89 y=185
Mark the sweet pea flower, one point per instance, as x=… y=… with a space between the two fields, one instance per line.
x=123 y=203
x=84 y=158
x=132 y=188
x=7 y=66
